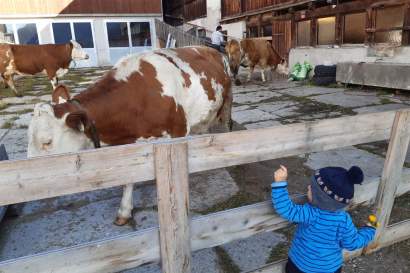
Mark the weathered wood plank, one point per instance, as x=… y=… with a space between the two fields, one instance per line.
x=137 y=248
x=391 y=176
x=395 y=233
x=52 y=176
x=3 y=156
x=171 y=171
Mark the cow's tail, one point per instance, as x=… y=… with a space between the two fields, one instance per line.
x=227 y=67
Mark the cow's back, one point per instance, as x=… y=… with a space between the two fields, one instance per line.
x=259 y=50
x=169 y=92
x=32 y=59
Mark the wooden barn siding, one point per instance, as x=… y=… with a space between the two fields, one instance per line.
x=10 y=7
x=236 y=7
x=194 y=9
x=281 y=37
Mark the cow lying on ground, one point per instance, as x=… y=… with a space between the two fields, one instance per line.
x=164 y=93
x=252 y=52
x=53 y=60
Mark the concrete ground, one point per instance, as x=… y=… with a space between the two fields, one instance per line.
x=65 y=221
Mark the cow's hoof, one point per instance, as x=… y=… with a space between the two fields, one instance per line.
x=238 y=82
x=120 y=221
x=19 y=95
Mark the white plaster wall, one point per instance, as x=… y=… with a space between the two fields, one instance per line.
x=316 y=56
x=235 y=30
x=100 y=36
x=213 y=17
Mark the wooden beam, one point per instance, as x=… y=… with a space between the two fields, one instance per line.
x=406 y=25
x=3 y=156
x=271 y=8
x=171 y=171
x=343 y=8
x=51 y=176
x=391 y=176
x=142 y=247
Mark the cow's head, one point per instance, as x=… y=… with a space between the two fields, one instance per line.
x=59 y=127
x=77 y=52
x=283 y=67
x=233 y=49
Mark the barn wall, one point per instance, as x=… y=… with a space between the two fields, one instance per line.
x=235 y=30
x=20 y=7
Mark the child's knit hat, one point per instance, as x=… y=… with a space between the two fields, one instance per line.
x=333 y=187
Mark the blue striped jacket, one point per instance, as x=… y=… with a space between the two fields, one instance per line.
x=320 y=235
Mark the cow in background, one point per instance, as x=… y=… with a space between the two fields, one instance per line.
x=53 y=60
x=251 y=53
x=164 y=93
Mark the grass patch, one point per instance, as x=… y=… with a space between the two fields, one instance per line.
x=3 y=105
x=7 y=125
x=385 y=101
x=226 y=262
x=238 y=200
x=280 y=251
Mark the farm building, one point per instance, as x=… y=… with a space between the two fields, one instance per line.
x=319 y=32
x=107 y=30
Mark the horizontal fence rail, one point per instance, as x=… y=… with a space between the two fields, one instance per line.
x=52 y=176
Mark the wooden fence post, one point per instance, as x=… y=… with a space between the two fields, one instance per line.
x=171 y=170
x=391 y=176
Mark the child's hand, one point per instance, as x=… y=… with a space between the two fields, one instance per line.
x=281 y=174
x=373 y=221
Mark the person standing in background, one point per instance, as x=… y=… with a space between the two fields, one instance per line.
x=218 y=39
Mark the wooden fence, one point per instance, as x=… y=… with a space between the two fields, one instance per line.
x=170 y=161
x=182 y=38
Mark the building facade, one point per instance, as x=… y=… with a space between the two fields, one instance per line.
x=107 y=30
x=319 y=31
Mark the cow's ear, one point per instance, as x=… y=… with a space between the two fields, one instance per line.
x=77 y=120
x=60 y=94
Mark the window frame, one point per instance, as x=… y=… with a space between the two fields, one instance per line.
x=129 y=21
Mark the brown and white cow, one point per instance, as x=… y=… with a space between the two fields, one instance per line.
x=53 y=60
x=252 y=52
x=163 y=93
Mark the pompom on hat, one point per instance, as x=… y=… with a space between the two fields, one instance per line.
x=333 y=187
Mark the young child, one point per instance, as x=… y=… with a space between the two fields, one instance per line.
x=324 y=229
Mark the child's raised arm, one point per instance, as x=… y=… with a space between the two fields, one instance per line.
x=282 y=203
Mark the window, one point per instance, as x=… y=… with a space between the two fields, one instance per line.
x=27 y=34
x=118 y=34
x=326 y=30
x=62 y=33
x=253 y=32
x=303 y=33
x=140 y=34
x=6 y=33
x=354 y=30
x=388 y=18
x=267 y=30
x=84 y=34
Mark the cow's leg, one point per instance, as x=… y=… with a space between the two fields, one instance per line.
x=251 y=68
x=124 y=212
x=54 y=82
x=4 y=81
x=263 y=74
x=9 y=80
x=225 y=116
